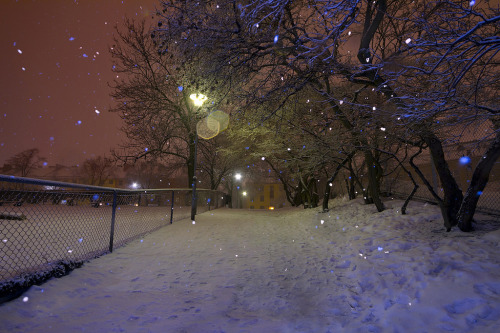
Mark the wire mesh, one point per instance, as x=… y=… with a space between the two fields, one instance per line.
x=47 y=228
x=461 y=166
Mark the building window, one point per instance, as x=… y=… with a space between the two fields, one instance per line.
x=262 y=198
x=271 y=192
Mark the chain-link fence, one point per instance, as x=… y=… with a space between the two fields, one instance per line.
x=462 y=158
x=48 y=228
x=463 y=146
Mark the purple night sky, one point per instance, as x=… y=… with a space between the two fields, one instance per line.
x=54 y=92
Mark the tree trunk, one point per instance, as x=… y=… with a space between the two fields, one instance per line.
x=330 y=181
x=374 y=184
x=452 y=193
x=477 y=185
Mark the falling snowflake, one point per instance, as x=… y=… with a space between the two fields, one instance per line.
x=464 y=160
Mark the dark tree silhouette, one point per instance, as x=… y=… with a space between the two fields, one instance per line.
x=24 y=162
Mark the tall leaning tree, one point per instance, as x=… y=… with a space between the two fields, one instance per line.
x=445 y=80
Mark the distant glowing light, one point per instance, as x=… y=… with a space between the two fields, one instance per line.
x=97 y=111
x=341 y=102
x=263 y=158
x=408 y=41
x=464 y=160
x=374 y=108
x=271 y=208
x=382 y=129
x=72 y=38
x=322 y=221
x=479 y=192
x=472 y=3
x=237 y=176
x=194 y=222
x=25 y=299
x=23 y=68
x=19 y=51
x=349 y=33
x=244 y=193
x=85 y=55
x=181 y=88
x=276 y=39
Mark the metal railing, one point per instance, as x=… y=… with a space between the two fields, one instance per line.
x=48 y=228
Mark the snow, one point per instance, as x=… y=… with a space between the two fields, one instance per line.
x=289 y=270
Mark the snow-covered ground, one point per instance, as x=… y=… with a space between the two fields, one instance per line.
x=290 y=270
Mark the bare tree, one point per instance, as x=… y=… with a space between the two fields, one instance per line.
x=98 y=169
x=24 y=162
x=154 y=90
x=150 y=174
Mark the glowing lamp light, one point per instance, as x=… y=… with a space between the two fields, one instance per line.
x=464 y=160
x=244 y=194
x=271 y=208
x=135 y=185
x=198 y=99
x=237 y=176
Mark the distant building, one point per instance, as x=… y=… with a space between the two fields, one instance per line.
x=261 y=196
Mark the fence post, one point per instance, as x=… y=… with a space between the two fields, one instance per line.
x=172 y=208
x=113 y=216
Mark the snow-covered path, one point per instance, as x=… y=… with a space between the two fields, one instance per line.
x=291 y=270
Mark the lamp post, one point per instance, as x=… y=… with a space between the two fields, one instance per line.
x=198 y=100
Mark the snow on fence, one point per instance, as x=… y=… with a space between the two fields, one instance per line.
x=48 y=228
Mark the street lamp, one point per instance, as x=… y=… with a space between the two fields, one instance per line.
x=198 y=100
